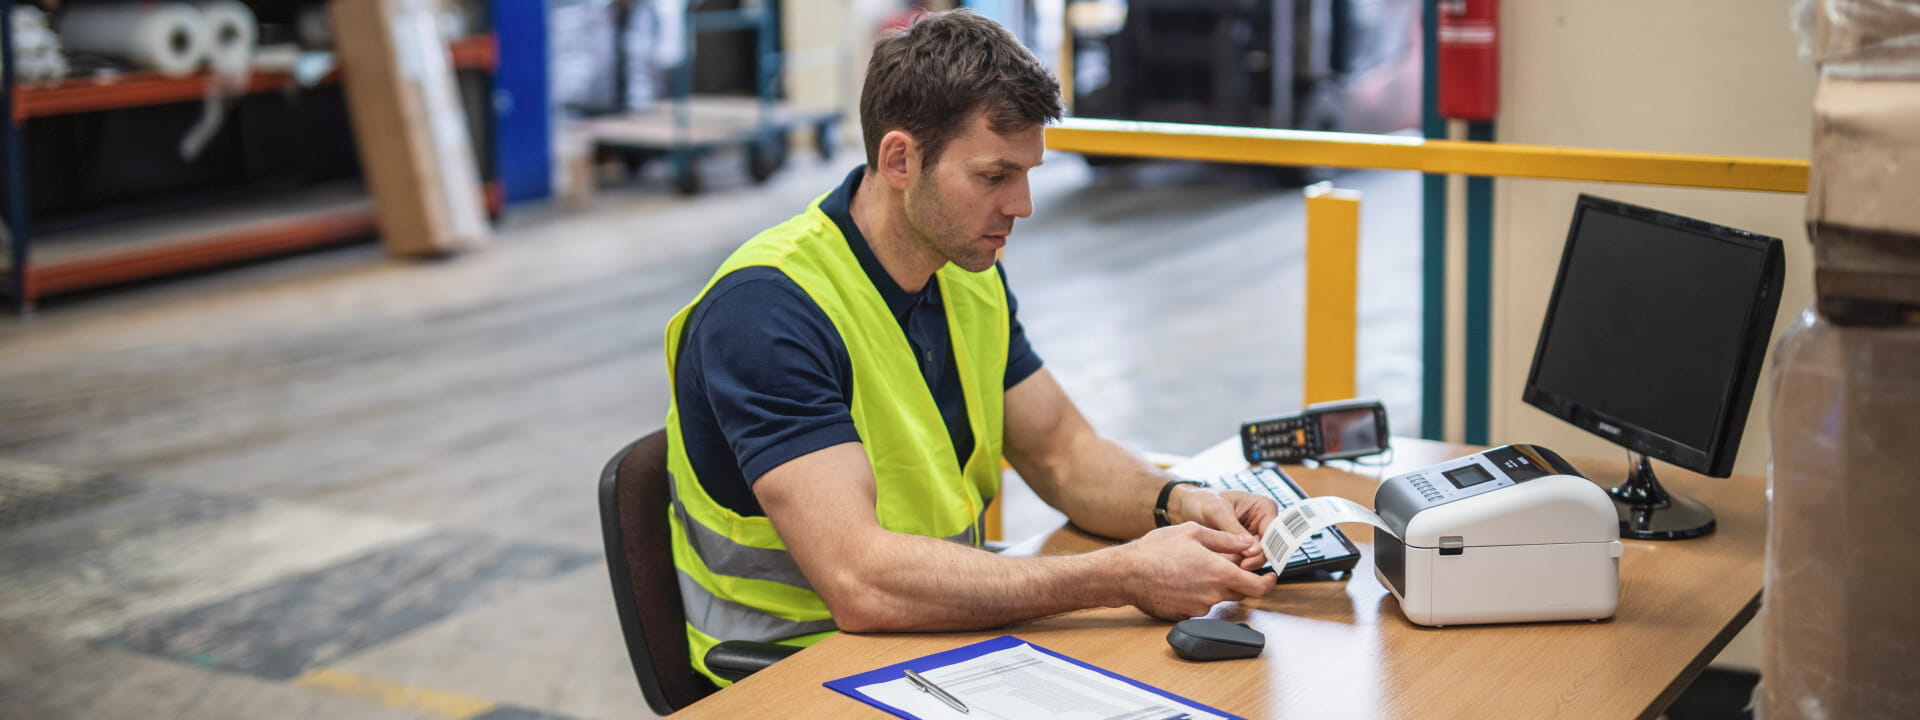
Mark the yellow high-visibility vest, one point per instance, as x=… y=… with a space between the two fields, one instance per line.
x=737 y=579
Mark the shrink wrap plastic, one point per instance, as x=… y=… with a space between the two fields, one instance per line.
x=1842 y=634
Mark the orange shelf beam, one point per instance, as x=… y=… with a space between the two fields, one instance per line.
x=265 y=239
x=142 y=89
x=272 y=237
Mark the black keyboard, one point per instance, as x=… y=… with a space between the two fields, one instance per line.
x=1327 y=551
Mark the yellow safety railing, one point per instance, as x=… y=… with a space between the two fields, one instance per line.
x=1394 y=152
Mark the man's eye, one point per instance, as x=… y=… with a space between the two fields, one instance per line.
x=994 y=179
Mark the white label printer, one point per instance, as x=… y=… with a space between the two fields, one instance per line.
x=1513 y=534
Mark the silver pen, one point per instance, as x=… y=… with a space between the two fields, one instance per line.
x=928 y=687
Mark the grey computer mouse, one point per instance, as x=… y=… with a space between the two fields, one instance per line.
x=1210 y=639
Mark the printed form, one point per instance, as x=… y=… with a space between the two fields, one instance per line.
x=1021 y=682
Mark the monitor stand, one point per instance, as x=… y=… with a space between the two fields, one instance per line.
x=1648 y=512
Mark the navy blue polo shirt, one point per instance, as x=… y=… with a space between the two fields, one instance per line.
x=764 y=378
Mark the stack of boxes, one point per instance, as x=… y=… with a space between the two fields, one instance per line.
x=1842 y=638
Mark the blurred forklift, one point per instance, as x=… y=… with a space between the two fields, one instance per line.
x=1339 y=65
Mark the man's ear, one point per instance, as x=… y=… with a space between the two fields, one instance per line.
x=899 y=158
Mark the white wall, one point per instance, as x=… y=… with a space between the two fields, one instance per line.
x=1703 y=76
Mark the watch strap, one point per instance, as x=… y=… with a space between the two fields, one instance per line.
x=1160 y=518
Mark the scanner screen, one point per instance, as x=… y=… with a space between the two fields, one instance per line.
x=1349 y=430
x=1469 y=476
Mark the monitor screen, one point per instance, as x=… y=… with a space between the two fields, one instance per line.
x=1654 y=332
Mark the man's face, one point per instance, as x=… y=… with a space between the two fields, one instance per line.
x=963 y=206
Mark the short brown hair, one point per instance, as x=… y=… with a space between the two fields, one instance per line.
x=928 y=78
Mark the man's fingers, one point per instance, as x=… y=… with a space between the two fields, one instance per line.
x=1255 y=512
x=1223 y=542
x=1223 y=516
x=1250 y=584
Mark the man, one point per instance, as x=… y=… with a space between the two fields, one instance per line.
x=845 y=387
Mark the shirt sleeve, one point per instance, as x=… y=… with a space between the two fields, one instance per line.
x=1022 y=361
x=776 y=375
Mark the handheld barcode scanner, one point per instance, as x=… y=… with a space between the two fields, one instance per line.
x=1513 y=534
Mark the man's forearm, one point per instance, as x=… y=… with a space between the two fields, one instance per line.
x=1105 y=489
x=908 y=582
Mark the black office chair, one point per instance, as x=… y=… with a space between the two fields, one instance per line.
x=646 y=590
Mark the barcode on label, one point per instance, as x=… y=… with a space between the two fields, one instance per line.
x=1296 y=524
x=1308 y=511
x=1274 y=545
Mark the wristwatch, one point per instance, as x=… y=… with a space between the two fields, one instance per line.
x=1160 y=506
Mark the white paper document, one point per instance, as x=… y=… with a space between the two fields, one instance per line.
x=1297 y=523
x=1021 y=682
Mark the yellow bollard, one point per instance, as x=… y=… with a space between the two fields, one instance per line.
x=1333 y=292
x=991 y=528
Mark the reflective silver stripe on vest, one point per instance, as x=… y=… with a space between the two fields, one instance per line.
x=728 y=620
x=723 y=556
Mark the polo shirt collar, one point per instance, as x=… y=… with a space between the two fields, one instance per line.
x=838 y=206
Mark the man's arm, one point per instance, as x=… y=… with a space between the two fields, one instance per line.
x=873 y=580
x=1101 y=486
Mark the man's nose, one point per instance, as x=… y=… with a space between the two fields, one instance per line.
x=1020 y=202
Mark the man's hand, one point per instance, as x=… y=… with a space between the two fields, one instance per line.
x=1229 y=511
x=1179 y=572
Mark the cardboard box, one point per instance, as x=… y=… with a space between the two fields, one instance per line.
x=1863 y=196
x=409 y=126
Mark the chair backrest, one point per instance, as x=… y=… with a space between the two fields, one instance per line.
x=634 y=503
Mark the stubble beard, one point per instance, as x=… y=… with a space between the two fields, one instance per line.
x=930 y=218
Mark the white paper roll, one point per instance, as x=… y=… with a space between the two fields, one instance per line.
x=170 y=37
x=232 y=33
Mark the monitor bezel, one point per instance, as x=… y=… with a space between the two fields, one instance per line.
x=1716 y=458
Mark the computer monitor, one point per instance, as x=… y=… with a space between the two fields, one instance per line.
x=1653 y=339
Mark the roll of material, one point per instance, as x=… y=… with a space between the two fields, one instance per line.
x=232 y=33
x=35 y=48
x=169 y=37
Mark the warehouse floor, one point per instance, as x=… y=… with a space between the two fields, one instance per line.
x=335 y=486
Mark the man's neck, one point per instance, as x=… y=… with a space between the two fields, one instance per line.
x=878 y=211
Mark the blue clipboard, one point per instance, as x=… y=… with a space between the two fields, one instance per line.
x=849 y=685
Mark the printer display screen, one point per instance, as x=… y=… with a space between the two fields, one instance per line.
x=1468 y=476
x=1515 y=464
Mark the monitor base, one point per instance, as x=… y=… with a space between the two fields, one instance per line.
x=1649 y=512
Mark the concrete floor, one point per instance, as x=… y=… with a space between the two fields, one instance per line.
x=336 y=486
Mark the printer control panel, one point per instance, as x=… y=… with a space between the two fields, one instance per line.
x=1481 y=472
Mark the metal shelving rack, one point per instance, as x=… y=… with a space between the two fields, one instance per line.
x=322 y=219
x=692 y=127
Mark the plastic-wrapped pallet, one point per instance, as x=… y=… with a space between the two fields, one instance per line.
x=1842 y=639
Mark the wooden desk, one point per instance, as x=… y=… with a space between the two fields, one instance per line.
x=1680 y=602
